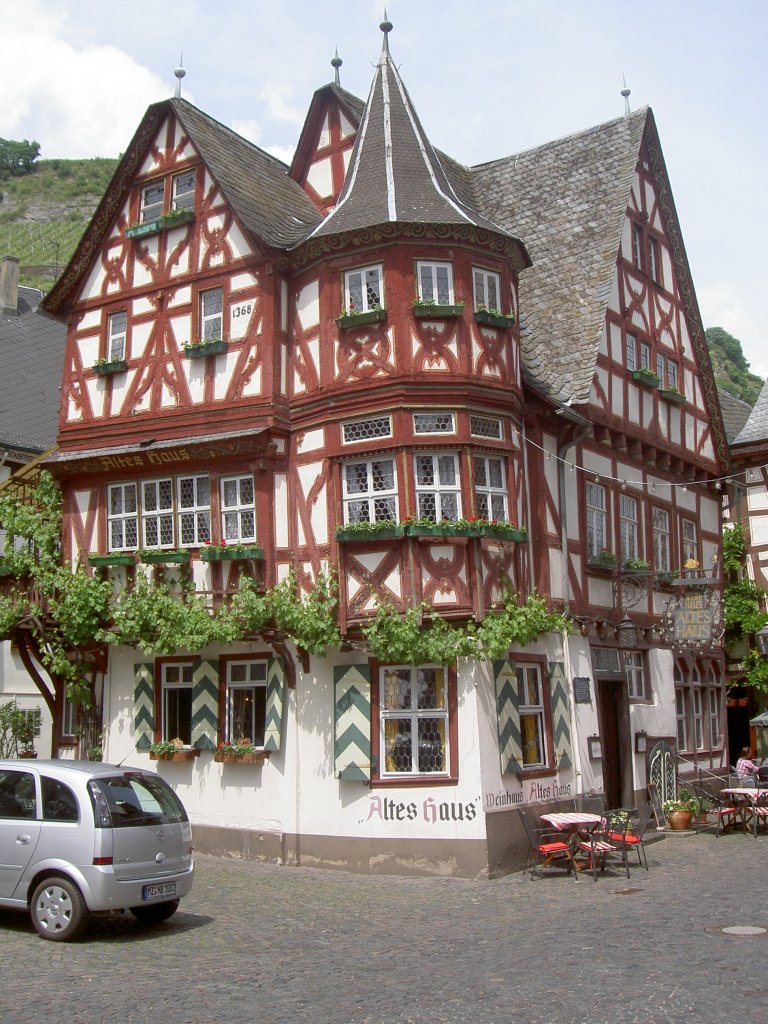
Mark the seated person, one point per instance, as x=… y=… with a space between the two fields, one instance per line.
x=746 y=767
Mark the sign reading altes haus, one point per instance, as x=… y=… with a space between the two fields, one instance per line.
x=695 y=617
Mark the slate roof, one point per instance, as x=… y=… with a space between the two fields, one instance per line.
x=395 y=174
x=567 y=201
x=735 y=413
x=31 y=365
x=756 y=427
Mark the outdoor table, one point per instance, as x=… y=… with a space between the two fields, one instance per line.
x=743 y=797
x=571 y=822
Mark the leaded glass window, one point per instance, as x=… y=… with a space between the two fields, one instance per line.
x=491 y=488
x=437 y=486
x=238 y=513
x=194 y=510
x=413 y=703
x=122 y=517
x=370 y=491
x=157 y=513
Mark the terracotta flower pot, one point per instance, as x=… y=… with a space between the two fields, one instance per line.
x=679 y=821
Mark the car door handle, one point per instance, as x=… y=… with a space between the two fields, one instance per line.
x=23 y=839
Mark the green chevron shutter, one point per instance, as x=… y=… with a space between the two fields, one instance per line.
x=508 y=716
x=273 y=726
x=144 y=704
x=561 y=729
x=352 y=688
x=205 y=703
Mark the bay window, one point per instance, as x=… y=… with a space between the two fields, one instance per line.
x=487 y=286
x=194 y=509
x=157 y=513
x=122 y=517
x=438 y=494
x=435 y=282
x=491 y=488
x=369 y=491
x=363 y=289
x=238 y=512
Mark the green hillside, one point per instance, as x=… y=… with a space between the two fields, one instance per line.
x=43 y=214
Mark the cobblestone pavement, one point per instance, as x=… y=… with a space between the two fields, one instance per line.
x=258 y=942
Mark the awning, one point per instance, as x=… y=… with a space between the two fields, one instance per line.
x=761 y=719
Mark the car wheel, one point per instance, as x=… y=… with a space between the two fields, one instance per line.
x=155 y=912
x=58 y=910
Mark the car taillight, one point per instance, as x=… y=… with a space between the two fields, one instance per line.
x=102 y=860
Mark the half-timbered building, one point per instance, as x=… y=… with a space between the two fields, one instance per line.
x=262 y=355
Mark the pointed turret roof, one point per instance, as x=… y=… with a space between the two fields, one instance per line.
x=395 y=174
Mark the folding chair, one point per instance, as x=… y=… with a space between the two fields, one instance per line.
x=545 y=847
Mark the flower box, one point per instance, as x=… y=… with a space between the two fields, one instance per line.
x=374 y=316
x=433 y=311
x=485 y=316
x=187 y=754
x=509 y=533
x=442 y=530
x=164 y=557
x=176 y=217
x=345 y=534
x=672 y=395
x=154 y=227
x=250 y=757
x=205 y=348
x=105 y=369
x=100 y=561
x=646 y=377
x=230 y=553
x=603 y=561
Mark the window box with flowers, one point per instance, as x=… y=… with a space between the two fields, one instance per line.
x=172 y=750
x=162 y=557
x=106 y=367
x=429 y=310
x=207 y=347
x=231 y=552
x=501 y=530
x=354 y=318
x=672 y=395
x=646 y=377
x=117 y=558
x=604 y=560
x=423 y=527
x=494 y=317
x=383 y=529
x=169 y=220
x=239 y=753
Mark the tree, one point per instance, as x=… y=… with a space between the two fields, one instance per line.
x=744 y=607
x=17 y=158
x=730 y=366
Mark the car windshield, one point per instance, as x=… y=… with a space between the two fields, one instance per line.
x=131 y=799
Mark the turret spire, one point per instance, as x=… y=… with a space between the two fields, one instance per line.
x=336 y=63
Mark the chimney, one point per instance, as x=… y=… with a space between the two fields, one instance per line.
x=9 y=284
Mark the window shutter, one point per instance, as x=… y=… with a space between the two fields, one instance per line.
x=144 y=704
x=205 y=703
x=273 y=725
x=561 y=729
x=508 y=716
x=352 y=685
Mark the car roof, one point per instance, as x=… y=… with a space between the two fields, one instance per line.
x=92 y=768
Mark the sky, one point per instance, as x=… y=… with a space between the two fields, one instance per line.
x=488 y=78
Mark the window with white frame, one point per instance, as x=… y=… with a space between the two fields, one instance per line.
x=487 y=286
x=714 y=718
x=366 y=430
x=157 y=513
x=628 y=527
x=654 y=263
x=194 y=509
x=364 y=289
x=238 y=510
x=532 y=720
x=437 y=486
x=698 y=718
x=212 y=315
x=413 y=720
x=69 y=718
x=661 y=539
x=690 y=540
x=597 y=519
x=152 y=200
x=645 y=355
x=369 y=490
x=631 y=349
x=666 y=371
x=681 y=715
x=637 y=246
x=435 y=282
x=491 y=488
x=246 y=701
x=117 y=327
x=176 y=702
x=434 y=423
x=183 y=191
x=486 y=426
x=122 y=517
x=634 y=667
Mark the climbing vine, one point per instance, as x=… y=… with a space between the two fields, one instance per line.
x=744 y=605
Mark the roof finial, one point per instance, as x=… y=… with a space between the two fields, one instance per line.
x=336 y=64
x=386 y=28
x=179 y=72
x=625 y=93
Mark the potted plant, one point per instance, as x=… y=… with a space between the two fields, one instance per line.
x=680 y=811
x=637 y=565
x=353 y=317
x=604 y=559
x=381 y=529
x=241 y=752
x=493 y=317
x=172 y=750
x=646 y=377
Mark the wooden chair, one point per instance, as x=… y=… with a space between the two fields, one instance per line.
x=546 y=847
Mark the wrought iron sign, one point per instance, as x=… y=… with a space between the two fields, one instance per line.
x=694 y=616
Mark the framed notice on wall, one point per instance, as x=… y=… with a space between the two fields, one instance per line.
x=581 y=693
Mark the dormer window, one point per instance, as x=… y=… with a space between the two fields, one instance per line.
x=435 y=283
x=152 y=201
x=364 y=289
x=487 y=289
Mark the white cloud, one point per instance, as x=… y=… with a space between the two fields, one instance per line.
x=74 y=101
x=284 y=153
x=277 y=105
x=250 y=130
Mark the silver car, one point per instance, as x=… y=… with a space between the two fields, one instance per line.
x=77 y=837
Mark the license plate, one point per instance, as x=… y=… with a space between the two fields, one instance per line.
x=157 y=891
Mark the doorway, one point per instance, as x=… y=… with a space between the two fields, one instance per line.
x=614 y=731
